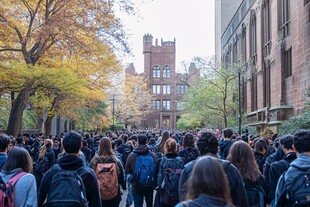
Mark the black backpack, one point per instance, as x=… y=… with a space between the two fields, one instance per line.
x=41 y=164
x=255 y=194
x=190 y=155
x=169 y=189
x=125 y=153
x=67 y=188
x=298 y=194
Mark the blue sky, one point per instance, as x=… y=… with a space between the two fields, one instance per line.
x=190 y=22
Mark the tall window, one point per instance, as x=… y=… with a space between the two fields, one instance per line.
x=235 y=52
x=253 y=44
x=180 y=105
x=288 y=63
x=266 y=27
x=166 y=89
x=182 y=88
x=156 y=72
x=166 y=72
x=284 y=17
x=244 y=93
x=156 y=89
x=166 y=104
x=254 y=92
x=266 y=83
x=156 y=104
x=243 y=44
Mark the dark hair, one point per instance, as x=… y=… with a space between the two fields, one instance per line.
x=208 y=180
x=287 y=141
x=227 y=133
x=245 y=138
x=207 y=143
x=260 y=146
x=4 y=142
x=142 y=139
x=72 y=142
x=19 y=139
x=164 y=137
x=241 y=155
x=18 y=157
x=189 y=140
x=302 y=140
x=125 y=137
x=118 y=142
x=56 y=139
x=152 y=141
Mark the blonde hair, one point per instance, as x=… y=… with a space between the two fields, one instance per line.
x=48 y=143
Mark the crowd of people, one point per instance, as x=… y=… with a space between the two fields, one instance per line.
x=159 y=168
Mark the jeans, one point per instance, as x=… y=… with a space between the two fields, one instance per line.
x=129 y=198
x=140 y=194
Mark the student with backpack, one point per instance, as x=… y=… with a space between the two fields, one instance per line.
x=45 y=160
x=207 y=186
x=293 y=186
x=109 y=172
x=70 y=182
x=17 y=184
x=170 y=169
x=189 y=152
x=242 y=157
x=140 y=164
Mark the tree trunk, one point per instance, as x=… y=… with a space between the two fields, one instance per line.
x=39 y=123
x=48 y=125
x=16 y=113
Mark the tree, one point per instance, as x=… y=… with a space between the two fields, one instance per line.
x=134 y=103
x=213 y=96
x=37 y=31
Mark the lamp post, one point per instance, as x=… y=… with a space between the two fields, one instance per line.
x=239 y=85
x=113 y=110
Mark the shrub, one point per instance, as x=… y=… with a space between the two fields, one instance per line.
x=294 y=123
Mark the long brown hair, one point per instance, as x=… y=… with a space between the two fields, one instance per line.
x=242 y=157
x=48 y=143
x=164 y=137
x=18 y=157
x=105 y=149
x=208 y=177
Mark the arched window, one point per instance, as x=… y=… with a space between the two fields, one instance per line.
x=166 y=72
x=156 y=72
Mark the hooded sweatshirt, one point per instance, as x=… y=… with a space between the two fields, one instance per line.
x=139 y=150
x=25 y=189
x=225 y=145
x=72 y=162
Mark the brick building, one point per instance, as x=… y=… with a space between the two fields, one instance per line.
x=268 y=41
x=166 y=85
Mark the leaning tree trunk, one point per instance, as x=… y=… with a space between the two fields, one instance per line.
x=48 y=125
x=16 y=113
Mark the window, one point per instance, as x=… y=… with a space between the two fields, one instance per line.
x=254 y=92
x=166 y=104
x=244 y=94
x=182 y=88
x=266 y=83
x=156 y=72
x=180 y=105
x=156 y=104
x=243 y=44
x=266 y=27
x=166 y=72
x=235 y=52
x=156 y=89
x=288 y=63
x=284 y=17
x=166 y=89
x=253 y=44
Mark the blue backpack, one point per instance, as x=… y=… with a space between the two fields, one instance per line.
x=144 y=170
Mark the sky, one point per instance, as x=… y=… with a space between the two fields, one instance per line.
x=191 y=23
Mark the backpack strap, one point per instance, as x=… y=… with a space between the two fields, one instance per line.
x=15 y=178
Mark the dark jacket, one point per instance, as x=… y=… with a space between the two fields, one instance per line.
x=72 y=162
x=88 y=153
x=225 y=145
x=237 y=190
x=189 y=154
x=139 y=150
x=276 y=170
x=203 y=200
x=256 y=191
x=260 y=160
x=277 y=156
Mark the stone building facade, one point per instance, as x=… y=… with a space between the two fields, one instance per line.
x=268 y=42
x=166 y=85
